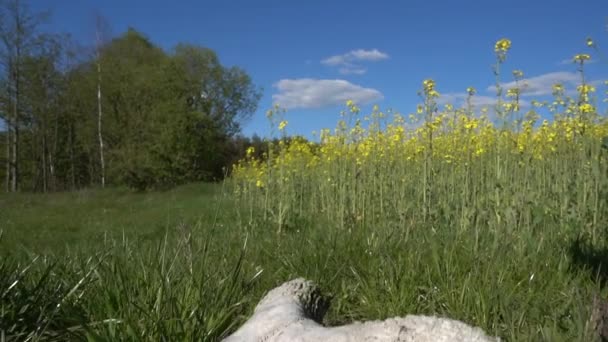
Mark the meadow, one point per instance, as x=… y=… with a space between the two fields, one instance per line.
x=493 y=216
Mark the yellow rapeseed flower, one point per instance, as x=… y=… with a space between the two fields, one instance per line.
x=586 y=108
x=581 y=58
x=513 y=92
x=429 y=85
x=590 y=42
x=471 y=91
x=503 y=45
x=558 y=87
x=471 y=124
x=282 y=125
x=585 y=88
x=518 y=74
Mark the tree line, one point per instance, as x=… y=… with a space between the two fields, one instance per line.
x=122 y=112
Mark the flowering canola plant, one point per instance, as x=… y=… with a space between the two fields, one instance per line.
x=378 y=157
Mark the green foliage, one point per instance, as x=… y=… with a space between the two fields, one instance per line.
x=166 y=117
x=103 y=296
x=171 y=115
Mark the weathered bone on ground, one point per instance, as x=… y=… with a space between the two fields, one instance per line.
x=294 y=311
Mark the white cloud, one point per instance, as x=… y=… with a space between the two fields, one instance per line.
x=335 y=60
x=347 y=64
x=543 y=84
x=355 y=55
x=352 y=70
x=368 y=55
x=317 y=93
x=535 y=87
x=459 y=100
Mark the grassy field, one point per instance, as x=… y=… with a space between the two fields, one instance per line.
x=183 y=265
x=51 y=222
x=501 y=225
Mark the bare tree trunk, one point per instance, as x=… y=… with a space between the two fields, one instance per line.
x=72 y=161
x=100 y=26
x=44 y=161
x=36 y=169
x=8 y=153
x=52 y=184
x=92 y=165
x=99 y=115
x=16 y=79
x=53 y=153
x=15 y=145
x=17 y=38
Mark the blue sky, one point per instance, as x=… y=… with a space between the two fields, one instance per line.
x=311 y=55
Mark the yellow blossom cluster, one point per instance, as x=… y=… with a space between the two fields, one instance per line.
x=456 y=139
x=503 y=45
x=376 y=146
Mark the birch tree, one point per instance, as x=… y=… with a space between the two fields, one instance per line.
x=18 y=35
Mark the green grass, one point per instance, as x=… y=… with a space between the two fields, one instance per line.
x=46 y=222
x=190 y=264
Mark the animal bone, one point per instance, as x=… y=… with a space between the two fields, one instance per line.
x=294 y=311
